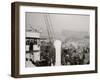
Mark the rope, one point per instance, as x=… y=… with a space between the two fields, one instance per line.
x=49 y=26
x=53 y=34
x=46 y=23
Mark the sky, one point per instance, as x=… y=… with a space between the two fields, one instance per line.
x=59 y=21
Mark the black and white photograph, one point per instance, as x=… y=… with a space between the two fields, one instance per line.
x=57 y=39
x=53 y=39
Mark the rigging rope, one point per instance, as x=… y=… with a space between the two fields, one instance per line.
x=49 y=27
